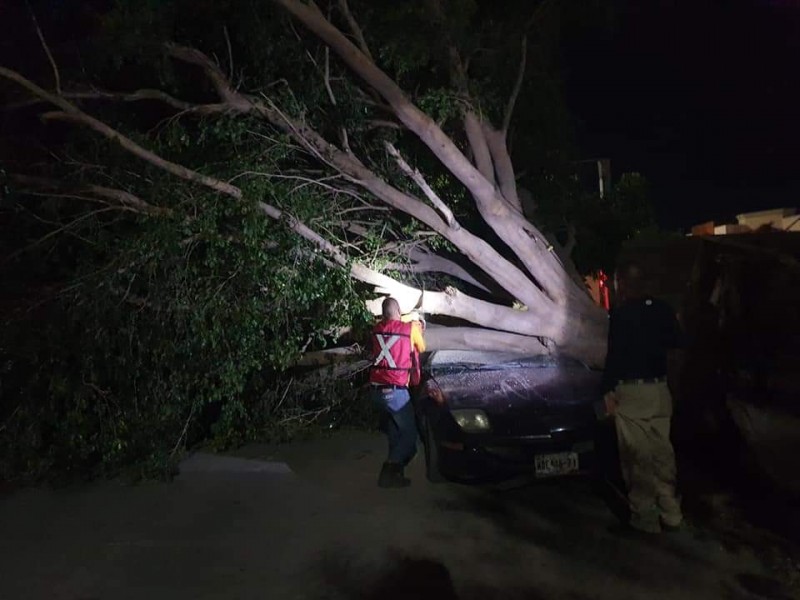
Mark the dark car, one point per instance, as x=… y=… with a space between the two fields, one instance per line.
x=487 y=416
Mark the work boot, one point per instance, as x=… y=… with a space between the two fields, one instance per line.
x=392 y=476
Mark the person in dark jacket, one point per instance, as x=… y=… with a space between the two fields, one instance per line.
x=642 y=331
x=395 y=344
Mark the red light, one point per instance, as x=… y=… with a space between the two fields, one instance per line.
x=603 y=285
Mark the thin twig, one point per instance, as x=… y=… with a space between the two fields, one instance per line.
x=128 y=290
x=355 y=29
x=344 y=138
x=512 y=101
x=62 y=229
x=363 y=208
x=285 y=393
x=11 y=416
x=183 y=433
x=306 y=181
x=56 y=74
x=58 y=189
x=230 y=51
x=419 y=179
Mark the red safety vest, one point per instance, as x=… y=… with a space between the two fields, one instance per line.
x=391 y=353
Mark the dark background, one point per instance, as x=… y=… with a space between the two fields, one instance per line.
x=701 y=97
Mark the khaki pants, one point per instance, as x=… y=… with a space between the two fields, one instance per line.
x=648 y=461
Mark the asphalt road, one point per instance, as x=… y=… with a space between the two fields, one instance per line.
x=251 y=527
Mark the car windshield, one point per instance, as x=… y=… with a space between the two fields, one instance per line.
x=458 y=360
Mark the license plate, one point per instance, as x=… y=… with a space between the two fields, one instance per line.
x=556 y=464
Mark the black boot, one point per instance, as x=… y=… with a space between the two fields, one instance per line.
x=392 y=476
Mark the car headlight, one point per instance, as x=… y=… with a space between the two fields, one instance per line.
x=471 y=420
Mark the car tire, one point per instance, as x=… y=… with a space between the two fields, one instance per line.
x=432 y=471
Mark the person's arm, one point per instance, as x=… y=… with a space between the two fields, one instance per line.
x=417 y=341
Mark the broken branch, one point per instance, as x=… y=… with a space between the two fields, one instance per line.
x=517 y=86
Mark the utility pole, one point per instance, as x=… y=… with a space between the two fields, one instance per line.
x=603 y=173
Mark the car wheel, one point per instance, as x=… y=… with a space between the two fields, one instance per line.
x=431 y=456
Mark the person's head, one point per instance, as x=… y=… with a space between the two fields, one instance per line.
x=629 y=281
x=390 y=309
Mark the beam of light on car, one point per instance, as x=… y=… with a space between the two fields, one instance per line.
x=471 y=420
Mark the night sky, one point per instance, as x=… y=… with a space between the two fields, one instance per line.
x=701 y=97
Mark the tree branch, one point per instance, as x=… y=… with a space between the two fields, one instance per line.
x=378 y=123
x=419 y=179
x=59 y=230
x=56 y=74
x=71 y=113
x=451 y=303
x=120 y=197
x=355 y=29
x=412 y=117
x=344 y=138
x=475 y=338
x=454 y=303
x=517 y=87
x=230 y=52
x=479 y=145
x=221 y=84
x=476 y=249
x=144 y=154
x=490 y=203
x=423 y=261
x=482 y=254
x=143 y=94
x=503 y=167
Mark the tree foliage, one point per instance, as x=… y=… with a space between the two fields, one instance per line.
x=150 y=328
x=216 y=187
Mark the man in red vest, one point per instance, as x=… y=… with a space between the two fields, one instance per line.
x=395 y=344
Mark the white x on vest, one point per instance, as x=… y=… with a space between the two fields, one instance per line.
x=386 y=345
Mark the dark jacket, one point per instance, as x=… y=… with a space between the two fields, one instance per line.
x=640 y=334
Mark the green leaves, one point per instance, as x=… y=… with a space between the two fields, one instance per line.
x=166 y=323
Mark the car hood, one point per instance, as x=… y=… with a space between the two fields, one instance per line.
x=530 y=390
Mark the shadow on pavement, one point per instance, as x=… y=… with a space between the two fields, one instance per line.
x=554 y=515
x=404 y=577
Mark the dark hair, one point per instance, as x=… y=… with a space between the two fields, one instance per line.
x=390 y=308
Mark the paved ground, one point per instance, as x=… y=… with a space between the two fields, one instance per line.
x=251 y=528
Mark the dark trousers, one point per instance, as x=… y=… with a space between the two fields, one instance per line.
x=399 y=424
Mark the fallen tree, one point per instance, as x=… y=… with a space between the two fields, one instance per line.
x=522 y=266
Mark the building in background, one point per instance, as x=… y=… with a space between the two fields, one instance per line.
x=777 y=219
